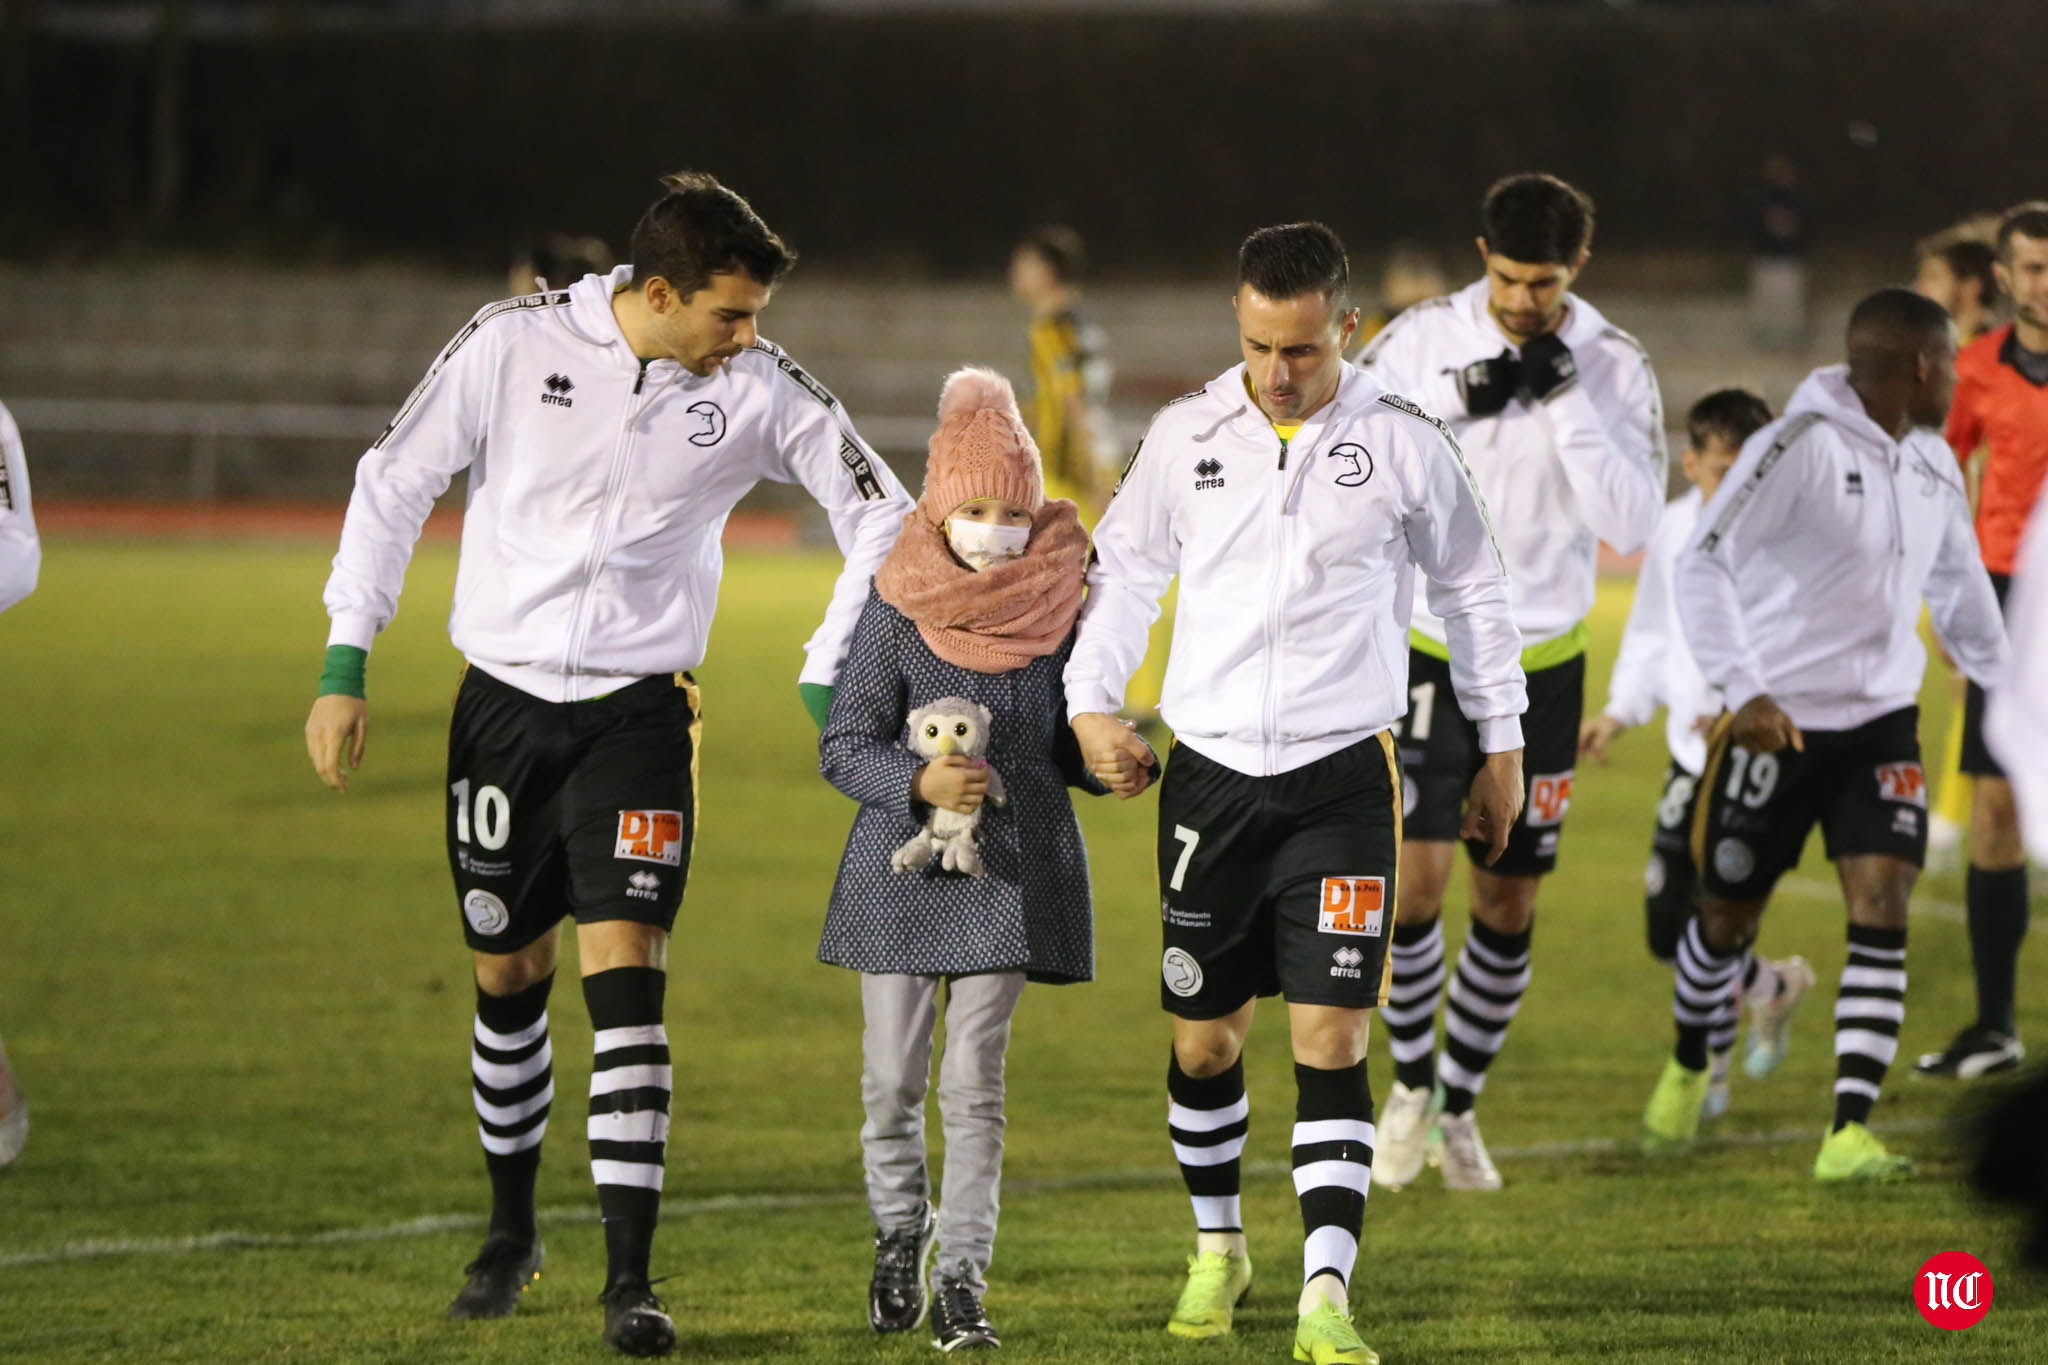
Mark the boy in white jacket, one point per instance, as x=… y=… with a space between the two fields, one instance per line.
x=1654 y=668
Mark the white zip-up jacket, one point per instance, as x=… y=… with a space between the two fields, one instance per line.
x=21 y=549
x=1804 y=577
x=1559 y=477
x=598 y=489
x=1654 y=668
x=2016 y=714
x=1290 y=640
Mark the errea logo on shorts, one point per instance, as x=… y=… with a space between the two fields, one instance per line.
x=652 y=836
x=1353 y=905
x=1903 y=782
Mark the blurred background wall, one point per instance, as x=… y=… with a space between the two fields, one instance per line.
x=233 y=234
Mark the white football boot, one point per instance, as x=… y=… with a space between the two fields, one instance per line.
x=1401 y=1137
x=1770 y=1019
x=1466 y=1163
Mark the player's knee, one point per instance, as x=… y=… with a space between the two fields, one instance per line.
x=1995 y=841
x=1504 y=904
x=1728 y=926
x=503 y=974
x=1205 y=1052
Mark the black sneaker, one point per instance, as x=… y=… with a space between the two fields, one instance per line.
x=635 y=1322
x=497 y=1277
x=1976 y=1051
x=896 y=1294
x=958 y=1324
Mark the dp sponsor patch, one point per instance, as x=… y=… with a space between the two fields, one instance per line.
x=1550 y=796
x=1903 y=782
x=652 y=836
x=1353 y=905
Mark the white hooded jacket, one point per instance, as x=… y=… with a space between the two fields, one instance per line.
x=1653 y=667
x=1804 y=577
x=598 y=490
x=1559 y=477
x=1297 y=569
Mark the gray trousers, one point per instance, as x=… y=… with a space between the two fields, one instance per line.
x=896 y=1057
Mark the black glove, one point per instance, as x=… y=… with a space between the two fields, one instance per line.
x=1486 y=386
x=1547 y=367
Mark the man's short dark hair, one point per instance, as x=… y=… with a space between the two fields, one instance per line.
x=1294 y=259
x=699 y=228
x=2029 y=219
x=1970 y=259
x=1890 y=330
x=1062 y=251
x=1730 y=416
x=1536 y=219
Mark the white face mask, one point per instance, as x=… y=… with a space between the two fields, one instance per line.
x=982 y=543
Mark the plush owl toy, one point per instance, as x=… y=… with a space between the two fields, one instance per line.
x=950 y=725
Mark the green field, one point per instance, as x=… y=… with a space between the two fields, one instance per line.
x=240 y=1007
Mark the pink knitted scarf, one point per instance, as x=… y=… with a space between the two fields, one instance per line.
x=1002 y=617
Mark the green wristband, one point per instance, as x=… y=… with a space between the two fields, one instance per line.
x=817 y=700
x=343 y=671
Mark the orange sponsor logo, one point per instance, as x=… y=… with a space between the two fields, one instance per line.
x=651 y=836
x=1903 y=782
x=1550 y=796
x=1353 y=905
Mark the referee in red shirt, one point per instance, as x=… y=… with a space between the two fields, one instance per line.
x=2001 y=408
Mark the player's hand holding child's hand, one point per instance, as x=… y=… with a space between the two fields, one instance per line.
x=1116 y=754
x=955 y=783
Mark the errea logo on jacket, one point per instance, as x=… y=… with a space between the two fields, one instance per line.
x=558 y=386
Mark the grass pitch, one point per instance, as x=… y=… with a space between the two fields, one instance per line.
x=239 y=1005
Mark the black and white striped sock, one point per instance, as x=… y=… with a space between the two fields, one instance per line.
x=1410 y=1011
x=512 y=1084
x=1869 y=1008
x=1208 y=1118
x=1493 y=971
x=1333 y=1135
x=630 y=1083
x=1703 y=997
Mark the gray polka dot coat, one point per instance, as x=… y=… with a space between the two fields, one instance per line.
x=1031 y=912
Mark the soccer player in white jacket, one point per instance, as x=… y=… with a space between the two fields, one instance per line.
x=1300 y=503
x=608 y=429
x=1558 y=413
x=1799 y=593
x=21 y=559
x=1653 y=669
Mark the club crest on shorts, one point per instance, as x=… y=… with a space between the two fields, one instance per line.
x=1655 y=877
x=652 y=836
x=1353 y=905
x=1550 y=796
x=1903 y=782
x=1181 y=973
x=486 y=913
x=1734 y=861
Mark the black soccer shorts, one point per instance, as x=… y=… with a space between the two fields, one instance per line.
x=1864 y=787
x=582 y=808
x=1670 y=877
x=1440 y=756
x=1278 y=884
x=1977 y=757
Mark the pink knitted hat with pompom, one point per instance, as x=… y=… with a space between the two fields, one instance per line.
x=981 y=449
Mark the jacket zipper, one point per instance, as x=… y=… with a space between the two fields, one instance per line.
x=600 y=540
x=1275 y=594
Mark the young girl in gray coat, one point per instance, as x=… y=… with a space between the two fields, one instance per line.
x=964 y=876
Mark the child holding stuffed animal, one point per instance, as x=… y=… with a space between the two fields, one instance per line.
x=964 y=876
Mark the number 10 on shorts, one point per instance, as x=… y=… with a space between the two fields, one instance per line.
x=1353 y=905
